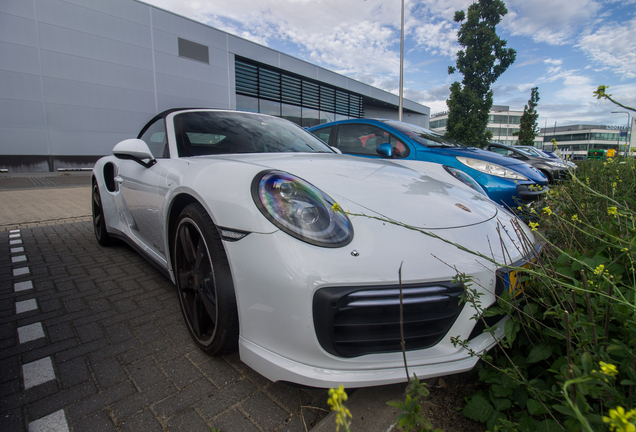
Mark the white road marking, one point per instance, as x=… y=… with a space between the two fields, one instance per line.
x=20 y=271
x=25 y=306
x=30 y=332
x=55 y=422
x=22 y=286
x=38 y=372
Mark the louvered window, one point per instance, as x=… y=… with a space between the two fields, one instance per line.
x=264 y=83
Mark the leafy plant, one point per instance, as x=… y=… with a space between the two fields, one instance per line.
x=482 y=59
x=528 y=126
x=568 y=359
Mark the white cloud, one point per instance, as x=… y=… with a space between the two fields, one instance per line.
x=554 y=22
x=555 y=62
x=614 y=46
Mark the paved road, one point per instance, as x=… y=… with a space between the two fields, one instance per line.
x=92 y=338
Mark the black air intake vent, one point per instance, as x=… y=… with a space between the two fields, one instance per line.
x=356 y=321
x=194 y=51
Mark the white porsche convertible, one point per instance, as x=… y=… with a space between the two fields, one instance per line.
x=239 y=211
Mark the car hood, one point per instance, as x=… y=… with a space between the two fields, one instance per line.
x=426 y=197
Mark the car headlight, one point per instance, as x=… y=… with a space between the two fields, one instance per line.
x=556 y=164
x=465 y=178
x=491 y=168
x=300 y=209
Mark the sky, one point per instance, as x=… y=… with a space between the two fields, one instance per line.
x=566 y=48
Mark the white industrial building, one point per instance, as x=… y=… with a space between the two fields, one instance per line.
x=78 y=76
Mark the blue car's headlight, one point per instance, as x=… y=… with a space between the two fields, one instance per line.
x=491 y=168
x=300 y=209
x=465 y=178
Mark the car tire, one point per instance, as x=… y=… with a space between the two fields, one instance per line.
x=204 y=282
x=99 y=222
x=547 y=175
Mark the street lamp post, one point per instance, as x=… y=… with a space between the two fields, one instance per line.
x=401 y=65
x=627 y=143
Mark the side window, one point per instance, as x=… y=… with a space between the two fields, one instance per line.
x=323 y=133
x=155 y=137
x=364 y=139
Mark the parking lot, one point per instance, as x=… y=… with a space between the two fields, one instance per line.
x=93 y=338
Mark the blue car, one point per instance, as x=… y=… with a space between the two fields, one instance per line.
x=505 y=180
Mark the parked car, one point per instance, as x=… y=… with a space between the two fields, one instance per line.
x=555 y=171
x=289 y=252
x=507 y=181
x=543 y=153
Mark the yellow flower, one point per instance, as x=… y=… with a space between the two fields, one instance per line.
x=599 y=270
x=611 y=211
x=534 y=226
x=614 y=185
x=624 y=250
x=608 y=369
x=336 y=208
x=519 y=208
x=337 y=397
x=547 y=210
x=575 y=218
x=619 y=420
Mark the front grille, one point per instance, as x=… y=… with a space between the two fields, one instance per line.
x=354 y=321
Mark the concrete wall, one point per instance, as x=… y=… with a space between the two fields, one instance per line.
x=78 y=76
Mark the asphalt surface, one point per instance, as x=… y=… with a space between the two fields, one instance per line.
x=92 y=338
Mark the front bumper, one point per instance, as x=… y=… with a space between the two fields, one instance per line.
x=276 y=278
x=528 y=193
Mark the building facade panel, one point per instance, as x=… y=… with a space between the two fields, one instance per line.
x=21 y=114
x=23 y=140
x=298 y=66
x=92 y=22
x=192 y=70
x=71 y=42
x=20 y=86
x=129 y=10
x=201 y=94
x=84 y=70
x=19 y=58
x=90 y=95
x=18 y=30
x=244 y=48
x=71 y=118
x=87 y=143
x=19 y=8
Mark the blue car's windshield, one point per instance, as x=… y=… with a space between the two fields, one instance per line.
x=225 y=132
x=423 y=136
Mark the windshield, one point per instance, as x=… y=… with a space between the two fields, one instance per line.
x=423 y=136
x=532 y=151
x=225 y=132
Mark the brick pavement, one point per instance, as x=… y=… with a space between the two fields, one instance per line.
x=100 y=333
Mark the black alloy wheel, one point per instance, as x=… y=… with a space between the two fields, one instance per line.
x=99 y=223
x=204 y=282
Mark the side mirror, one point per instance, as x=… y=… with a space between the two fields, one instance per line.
x=134 y=149
x=336 y=149
x=385 y=150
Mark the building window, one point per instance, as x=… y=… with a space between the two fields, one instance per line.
x=277 y=92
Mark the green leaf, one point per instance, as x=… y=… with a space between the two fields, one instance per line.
x=586 y=360
x=535 y=407
x=540 y=352
x=511 y=328
x=478 y=409
x=549 y=426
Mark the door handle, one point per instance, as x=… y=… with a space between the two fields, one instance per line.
x=119 y=180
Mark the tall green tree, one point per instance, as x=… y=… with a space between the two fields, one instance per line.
x=529 y=127
x=482 y=60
